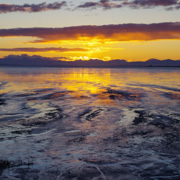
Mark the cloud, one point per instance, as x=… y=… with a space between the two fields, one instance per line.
x=88 y=5
x=151 y=3
x=109 y=4
x=5 y=8
x=106 y=33
x=31 y=49
x=105 y=4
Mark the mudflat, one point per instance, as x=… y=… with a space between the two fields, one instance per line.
x=89 y=123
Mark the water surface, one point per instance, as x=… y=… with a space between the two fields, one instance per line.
x=89 y=123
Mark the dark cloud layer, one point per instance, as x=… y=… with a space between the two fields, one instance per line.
x=121 y=32
x=109 y=4
x=5 y=8
x=31 y=49
x=151 y=3
x=106 y=4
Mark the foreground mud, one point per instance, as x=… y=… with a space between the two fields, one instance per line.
x=111 y=133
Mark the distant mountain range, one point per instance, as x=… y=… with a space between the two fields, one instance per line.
x=39 y=61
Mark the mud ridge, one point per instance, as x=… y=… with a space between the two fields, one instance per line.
x=93 y=114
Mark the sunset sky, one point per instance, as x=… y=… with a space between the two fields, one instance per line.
x=135 y=30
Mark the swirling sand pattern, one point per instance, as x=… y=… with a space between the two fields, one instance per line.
x=77 y=123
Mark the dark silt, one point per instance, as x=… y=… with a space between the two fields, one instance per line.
x=84 y=124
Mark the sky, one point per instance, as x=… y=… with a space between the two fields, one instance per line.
x=135 y=30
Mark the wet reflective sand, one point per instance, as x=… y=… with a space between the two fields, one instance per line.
x=88 y=123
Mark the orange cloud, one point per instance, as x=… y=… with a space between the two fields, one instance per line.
x=106 y=33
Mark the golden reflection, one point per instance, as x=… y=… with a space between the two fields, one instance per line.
x=86 y=80
x=90 y=82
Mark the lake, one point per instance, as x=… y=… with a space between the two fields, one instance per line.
x=89 y=123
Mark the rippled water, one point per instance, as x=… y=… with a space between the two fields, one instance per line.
x=88 y=123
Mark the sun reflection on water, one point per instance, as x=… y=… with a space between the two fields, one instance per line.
x=87 y=80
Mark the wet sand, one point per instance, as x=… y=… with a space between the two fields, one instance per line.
x=109 y=132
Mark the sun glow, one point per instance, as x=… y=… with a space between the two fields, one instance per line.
x=94 y=48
